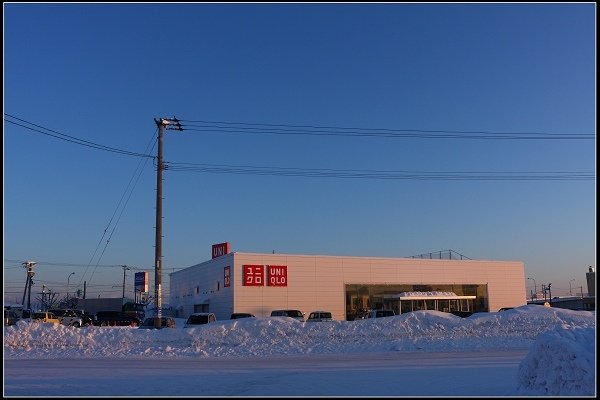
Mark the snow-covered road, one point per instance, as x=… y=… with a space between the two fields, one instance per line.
x=368 y=374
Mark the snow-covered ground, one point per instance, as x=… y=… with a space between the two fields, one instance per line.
x=527 y=351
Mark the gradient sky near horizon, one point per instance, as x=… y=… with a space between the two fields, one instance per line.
x=103 y=72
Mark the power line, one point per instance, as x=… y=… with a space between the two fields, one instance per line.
x=314 y=130
x=367 y=174
x=72 y=139
x=63 y=264
x=140 y=167
x=377 y=174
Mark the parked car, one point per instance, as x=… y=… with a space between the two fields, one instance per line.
x=296 y=314
x=380 y=313
x=165 y=322
x=45 y=316
x=200 y=319
x=242 y=315
x=69 y=318
x=86 y=318
x=318 y=316
x=10 y=317
x=462 y=314
x=115 y=318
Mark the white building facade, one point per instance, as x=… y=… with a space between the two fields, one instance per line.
x=260 y=283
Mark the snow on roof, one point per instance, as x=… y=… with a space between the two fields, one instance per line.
x=427 y=296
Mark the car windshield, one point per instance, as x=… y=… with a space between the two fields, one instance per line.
x=197 y=319
x=294 y=313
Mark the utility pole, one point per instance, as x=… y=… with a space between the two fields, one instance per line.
x=550 y=293
x=544 y=290
x=125 y=267
x=44 y=304
x=162 y=123
x=535 y=287
x=28 y=282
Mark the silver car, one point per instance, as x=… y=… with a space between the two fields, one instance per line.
x=318 y=316
x=296 y=314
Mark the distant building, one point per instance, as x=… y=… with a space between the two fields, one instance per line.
x=591 y=281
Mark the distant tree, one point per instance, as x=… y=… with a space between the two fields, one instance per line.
x=68 y=302
x=48 y=300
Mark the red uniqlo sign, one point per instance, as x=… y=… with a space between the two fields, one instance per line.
x=220 y=249
x=277 y=275
x=253 y=275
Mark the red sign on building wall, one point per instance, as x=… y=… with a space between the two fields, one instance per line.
x=226 y=276
x=220 y=249
x=253 y=275
x=277 y=275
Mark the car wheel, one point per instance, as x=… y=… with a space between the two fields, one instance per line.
x=104 y=323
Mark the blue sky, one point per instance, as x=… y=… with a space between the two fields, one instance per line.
x=103 y=72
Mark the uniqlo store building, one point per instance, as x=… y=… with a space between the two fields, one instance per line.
x=346 y=286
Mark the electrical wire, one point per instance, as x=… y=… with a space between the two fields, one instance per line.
x=72 y=139
x=128 y=189
x=376 y=174
x=313 y=130
x=362 y=174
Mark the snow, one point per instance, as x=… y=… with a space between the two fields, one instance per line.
x=526 y=351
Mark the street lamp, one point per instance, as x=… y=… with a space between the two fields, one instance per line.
x=534 y=287
x=69 y=277
x=570 y=291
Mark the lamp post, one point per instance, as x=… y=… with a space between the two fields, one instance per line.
x=69 y=277
x=534 y=287
x=570 y=291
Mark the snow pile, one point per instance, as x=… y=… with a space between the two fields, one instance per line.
x=561 y=342
x=561 y=363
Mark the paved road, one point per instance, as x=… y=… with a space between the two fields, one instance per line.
x=367 y=374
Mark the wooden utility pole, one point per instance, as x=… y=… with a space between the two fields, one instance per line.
x=29 y=282
x=162 y=123
x=158 y=240
x=125 y=267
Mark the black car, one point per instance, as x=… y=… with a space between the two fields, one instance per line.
x=115 y=318
x=242 y=315
x=165 y=322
